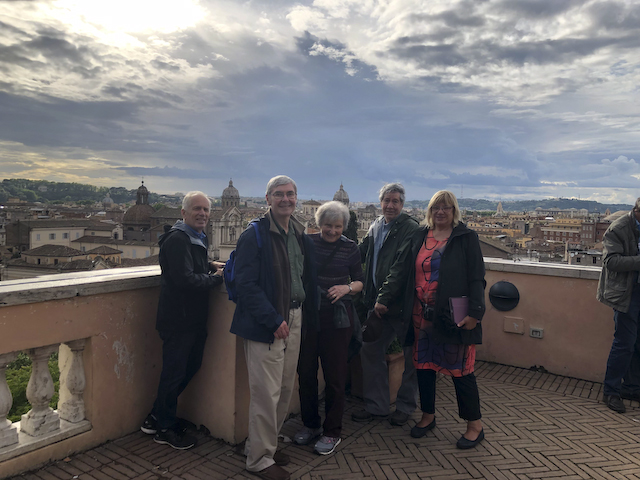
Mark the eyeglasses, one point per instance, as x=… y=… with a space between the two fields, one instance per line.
x=446 y=208
x=281 y=195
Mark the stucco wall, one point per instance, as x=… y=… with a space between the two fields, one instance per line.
x=561 y=299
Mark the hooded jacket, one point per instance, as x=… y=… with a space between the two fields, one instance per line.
x=185 y=281
x=620 y=263
x=400 y=232
x=461 y=274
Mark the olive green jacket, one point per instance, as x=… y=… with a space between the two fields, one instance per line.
x=620 y=263
x=399 y=233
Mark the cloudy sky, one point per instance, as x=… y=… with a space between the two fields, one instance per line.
x=497 y=99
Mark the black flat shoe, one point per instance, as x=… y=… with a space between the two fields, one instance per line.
x=465 y=444
x=419 y=432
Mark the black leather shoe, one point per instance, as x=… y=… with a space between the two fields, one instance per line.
x=419 y=432
x=630 y=396
x=465 y=444
x=614 y=402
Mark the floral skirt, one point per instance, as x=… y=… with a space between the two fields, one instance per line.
x=450 y=359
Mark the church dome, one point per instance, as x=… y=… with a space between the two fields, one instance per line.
x=230 y=196
x=342 y=196
x=231 y=191
x=139 y=214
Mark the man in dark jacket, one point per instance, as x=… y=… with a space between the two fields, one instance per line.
x=618 y=288
x=183 y=310
x=275 y=279
x=379 y=250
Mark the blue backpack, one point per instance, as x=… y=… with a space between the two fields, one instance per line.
x=230 y=267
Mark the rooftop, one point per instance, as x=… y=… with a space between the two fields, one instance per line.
x=101 y=323
x=537 y=426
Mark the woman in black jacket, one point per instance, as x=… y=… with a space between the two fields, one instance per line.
x=443 y=261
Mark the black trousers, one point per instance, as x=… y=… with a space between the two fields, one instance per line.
x=331 y=345
x=466 y=394
x=181 y=359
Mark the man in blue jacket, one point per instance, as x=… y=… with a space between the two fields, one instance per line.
x=183 y=309
x=275 y=281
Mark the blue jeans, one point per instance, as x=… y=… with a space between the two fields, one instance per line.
x=623 y=365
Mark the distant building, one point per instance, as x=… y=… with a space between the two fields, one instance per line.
x=50 y=260
x=230 y=197
x=341 y=196
x=310 y=207
x=137 y=219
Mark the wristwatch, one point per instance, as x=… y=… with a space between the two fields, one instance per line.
x=350 y=289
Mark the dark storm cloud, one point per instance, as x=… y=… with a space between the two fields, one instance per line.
x=615 y=15
x=171 y=172
x=100 y=125
x=538 y=9
x=450 y=19
x=484 y=53
x=429 y=55
x=162 y=65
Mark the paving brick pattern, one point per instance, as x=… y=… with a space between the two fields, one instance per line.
x=537 y=426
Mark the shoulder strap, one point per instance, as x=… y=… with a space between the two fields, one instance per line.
x=256 y=226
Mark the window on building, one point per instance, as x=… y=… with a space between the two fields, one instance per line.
x=578 y=259
x=55 y=261
x=595 y=260
x=77 y=234
x=83 y=248
x=133 y=254
x=37 y=236
x=65 y=235
x=52 y=236
x=38 y=261
x=93 y=233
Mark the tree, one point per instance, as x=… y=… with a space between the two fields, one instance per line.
x=352 y=229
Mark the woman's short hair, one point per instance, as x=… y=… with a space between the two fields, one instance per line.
x=390 y=188
x=448 y=198
x=332 y=211
x=188 y=198
x=278 y=180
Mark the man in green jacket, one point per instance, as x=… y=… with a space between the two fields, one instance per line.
x=618 y=288
x=378 y=251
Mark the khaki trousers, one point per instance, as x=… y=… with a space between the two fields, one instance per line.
x=272 y=375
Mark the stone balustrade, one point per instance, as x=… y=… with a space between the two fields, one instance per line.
x=42 y=425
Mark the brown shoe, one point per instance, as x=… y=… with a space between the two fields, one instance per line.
x=274 y=472
x=281 y=458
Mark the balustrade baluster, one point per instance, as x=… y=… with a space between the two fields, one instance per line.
x=41 y=419
x=72 y=381
x=8 y=433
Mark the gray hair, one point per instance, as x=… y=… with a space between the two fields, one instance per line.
x=332 y=211
x=280 y=180
x=636 y=207
x=188 y=198
x=390 y=188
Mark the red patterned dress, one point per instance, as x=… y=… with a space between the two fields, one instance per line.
x=450 y=359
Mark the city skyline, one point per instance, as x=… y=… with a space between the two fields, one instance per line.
x=502 y=100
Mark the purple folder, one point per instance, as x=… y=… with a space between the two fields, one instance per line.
x=459 y=307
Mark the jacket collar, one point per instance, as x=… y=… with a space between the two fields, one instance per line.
x=273 y=227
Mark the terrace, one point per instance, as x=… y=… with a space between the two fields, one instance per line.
x=539 y=423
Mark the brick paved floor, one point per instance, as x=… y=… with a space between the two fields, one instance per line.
x=537 y=426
